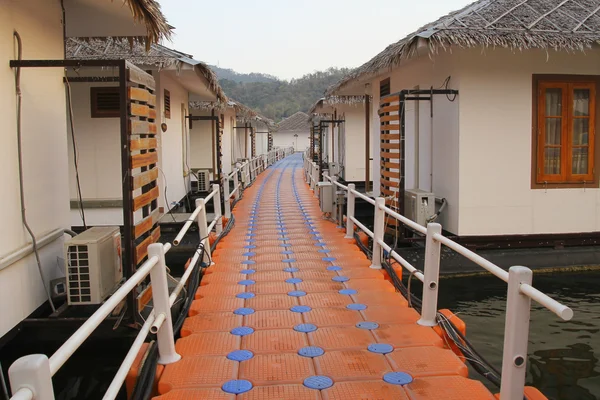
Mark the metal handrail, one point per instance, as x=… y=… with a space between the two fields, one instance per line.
x=520 y=290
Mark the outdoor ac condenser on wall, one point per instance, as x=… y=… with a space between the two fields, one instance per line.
x=203 y=180
x=419 y=205
x=93 y=265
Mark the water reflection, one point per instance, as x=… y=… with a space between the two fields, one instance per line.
x=563 y=356
x=558 y=371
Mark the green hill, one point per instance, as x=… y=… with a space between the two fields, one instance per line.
x=275 y=98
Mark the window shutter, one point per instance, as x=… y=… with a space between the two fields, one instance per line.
x=167 y=102
x=105 y=102
x=384 y=87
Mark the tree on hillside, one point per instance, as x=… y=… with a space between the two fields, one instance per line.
x=279 y=99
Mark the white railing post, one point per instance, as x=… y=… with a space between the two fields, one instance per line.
x=432 y=274
x=32 y=373
x=516 y=335
x=378 y=232
x=217 y=207
x=226 y=203
x=350 y=212
x=160 y=298
x=236 y=184
x=203 y=230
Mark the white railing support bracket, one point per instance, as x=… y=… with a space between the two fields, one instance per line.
x=350 y=212
x=432 y=276
x=32 y=373
x=378 y=232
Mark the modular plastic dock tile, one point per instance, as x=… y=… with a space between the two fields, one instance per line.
x=221 y=277
x=333 y=317
x=276 y=287
x=219 y=321
x=363 y=273
x=427 y=361
x=382 y=314
x=272 y=301
x=207 y=343
x=347 y=365
x=407 y=335
x=314 y=274
x=332 y=338
x=366 y=390
x=369 y=285
x=197 y=372
x=374 y=298
x=447 y=388
x=273 y=319
x=318 y=286
x=269 y=369
x=196 y=394
x=267 y=276
x=215 y=303
x=274 y=341
x=281 y=392
x=325 y=300
x=217 y=289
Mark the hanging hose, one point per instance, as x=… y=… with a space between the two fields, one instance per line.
x=147 y=372
x=21 y=185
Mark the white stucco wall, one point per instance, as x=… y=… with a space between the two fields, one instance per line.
x=438 y=165
x=44 y=153
x=495 y=147
x=286 y=139
x=354 y=141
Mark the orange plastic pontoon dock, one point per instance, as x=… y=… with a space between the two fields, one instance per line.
x=291 y=310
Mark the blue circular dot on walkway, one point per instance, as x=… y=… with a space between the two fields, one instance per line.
x=334 y=268
x=246 y=282
x=300 y=309
x=250 y=234
x=248 y=262
x=311 y=351
x=297 y=293
x=348 y=291
x=240 y=355
x=380 y=348
x=244 y=311
x=247 y=271
x=242 y=331
x=245 y=295
x=237 y=386
x=305 y=328
x=320 y=244
x=356 y=307
x=287 y=252
x=397 y=378
x=324 y=251
x=367 y=325
x=328 y=258
x=252 y=241
x=285 y=244
x=250 y=246
x=291 y=269
x=340 y=279
x=249 y=254
x=289 y=260
x=293 y=280
x=318 y=382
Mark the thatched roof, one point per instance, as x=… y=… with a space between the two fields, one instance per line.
x=135 y=52
x=335 y=100
x=295 y=122
x=243 y=113
x=571 y=25
x=148 y=12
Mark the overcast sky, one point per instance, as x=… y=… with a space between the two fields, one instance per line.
x=289 y=38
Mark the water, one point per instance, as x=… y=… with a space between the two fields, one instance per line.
x=563 y=356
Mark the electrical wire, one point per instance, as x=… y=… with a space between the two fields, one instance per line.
x=21 y=183
x=75 y=152
x=170 y=210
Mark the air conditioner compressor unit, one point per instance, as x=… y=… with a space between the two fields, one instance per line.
x=93 y=265
x=419 y=205
x=203 y=180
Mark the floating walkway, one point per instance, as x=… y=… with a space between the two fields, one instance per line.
x=291 y=310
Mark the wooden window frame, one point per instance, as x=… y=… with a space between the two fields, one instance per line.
x=386 y=81
x=167 y=108
x=538 y=179
x=95 y=113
